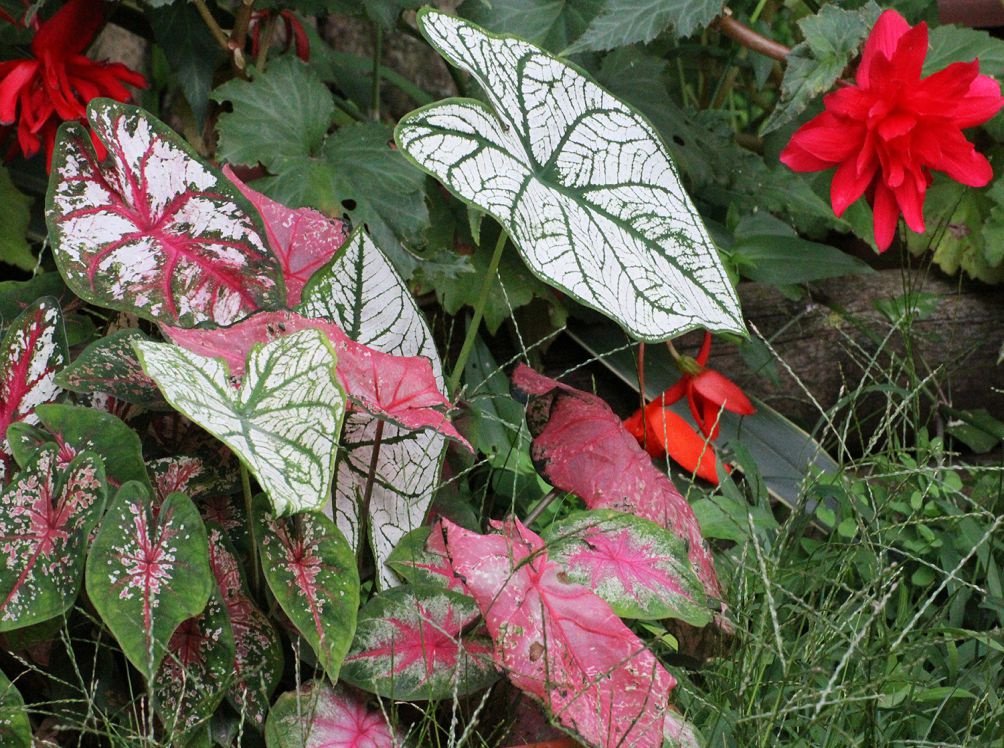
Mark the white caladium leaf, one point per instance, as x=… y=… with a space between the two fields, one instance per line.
x=364 y=295
x=580 y=181
x=32 y=351
x=283 y=421
x=152 y=229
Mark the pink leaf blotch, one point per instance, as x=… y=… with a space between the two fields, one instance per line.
x=559 y=642
x=400 y=388
x=302 y=239
x=584 y=448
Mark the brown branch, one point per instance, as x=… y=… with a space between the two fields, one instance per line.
x=749 y=38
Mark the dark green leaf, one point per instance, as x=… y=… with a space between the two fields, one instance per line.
x=15 y=212
x=551 y=24
x=948 y=44
x=782 y=259
x=191 y=51
x=15 y=728
x=624 y=22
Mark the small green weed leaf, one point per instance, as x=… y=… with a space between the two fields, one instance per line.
x=624 y=22
x=410 y=645
x=46 y=517
x=194 y=676
x=362 y=292
x=109 y=365
x=311 y=570
x=152 y=229
x=578 y=179
x=321 y=715
x=15 y=727
x=32 y=350
x=15 y=213
x=638 y=567
x=283 y=421
x=551 y=24
x=257 y=660
x=148 y=571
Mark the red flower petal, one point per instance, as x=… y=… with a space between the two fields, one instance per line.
x=70 y=30
x=885 y=215
x=882 y=41
x=684 y=445
x=849 y=184
x=14 y=81
x=723 y=392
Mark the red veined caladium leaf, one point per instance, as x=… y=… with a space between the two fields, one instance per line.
x=410 y=644
x=638 y=567
x=46 y=517
x=420 y=558
x=193 y=678
x=319 y=716
x=559 y=642
x=109 y=365
x=153 y=229
x=32 y=351
x=302 y=239
x=257 y=661
x=311 y=570
x=400 y=388
x=584 y=448
x=188 y=475
x=148 y=571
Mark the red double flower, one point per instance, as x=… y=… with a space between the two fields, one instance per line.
x=708 y=393
x=55 y=84
x=887 y=133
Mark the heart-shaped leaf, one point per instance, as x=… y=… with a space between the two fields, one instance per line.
x=46 y=517
x=257 y=661
x=362 y=293
x=311 y=570
x=579 y=180
x=109 y=365
x=582 y=447
x=32 y=350
x=148 y=571
x=559 y=642
x=420 y=558
x=282 y=422
x=638 y=567
x=15 y=727
x=154 y=230
x=410 y=645
x=319 y=716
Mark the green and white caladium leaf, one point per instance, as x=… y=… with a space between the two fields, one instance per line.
x=148 y=571
x=109 y=365
x=15 y=727
x=283 y=421
x=311 y=570
x=32 y=351
x=579 y=180
x=364 y=295
x=152 y=229
x=46 y=517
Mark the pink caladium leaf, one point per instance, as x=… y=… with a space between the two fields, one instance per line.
x=320 y=716
x=302 y=239
x=110 y=365
x=148 y=571
x=411 y=644
x=153 y=229
x=640 y=568
x=311 y=570
x=46 y=517
x=584 y=448
x=32 y=351
x=193 y=678
x=420 y=558
x=559 y=642
x=256 y=664
x=400 y=388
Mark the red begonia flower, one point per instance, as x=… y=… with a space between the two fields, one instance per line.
x=887 y=133
x=55 y=84
x=663 y=432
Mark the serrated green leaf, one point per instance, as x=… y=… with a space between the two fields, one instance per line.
x=551 y=24
x=191 y=51
x=148 y=571
x=580 y=182
x=15 y=213
x=950 y=43
x=284 y=421
x=624 y=22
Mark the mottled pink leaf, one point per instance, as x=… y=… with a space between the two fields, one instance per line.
x=256 y=664
x=302 y=239
x=319 y=716
x=559 y=642
x=585 y=449
x=32 y=350
x=400 y=388
x=46 y=517
x=411 y=644
x=153 y=229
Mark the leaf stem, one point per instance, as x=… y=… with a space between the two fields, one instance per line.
x=479 y=313
x=749 y=38
x=377 y=57
x=239 y=33
x=249 y=512
x=364 y=504
x=545 y=501
x=214 y=28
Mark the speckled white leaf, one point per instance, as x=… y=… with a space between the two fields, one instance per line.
x=152 y=229
x=580 y=181
x=362 y=292
x=283 y=421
